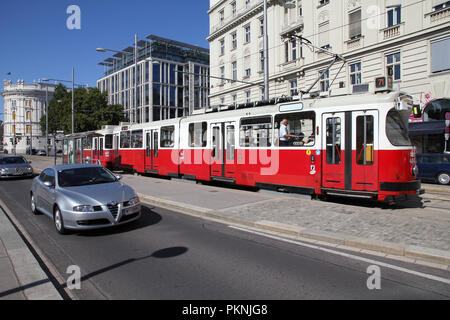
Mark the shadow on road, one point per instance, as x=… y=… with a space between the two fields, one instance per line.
x=148 y=218
x=159 y=254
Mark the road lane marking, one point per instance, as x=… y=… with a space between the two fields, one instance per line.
x=347 y=255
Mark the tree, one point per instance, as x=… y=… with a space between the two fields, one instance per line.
x=91 y=111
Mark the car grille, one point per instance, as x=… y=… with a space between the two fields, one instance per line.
x=20 y=170
x=114 y=209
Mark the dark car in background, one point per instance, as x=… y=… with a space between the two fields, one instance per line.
x=434 y=167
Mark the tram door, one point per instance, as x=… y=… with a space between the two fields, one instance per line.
x=151 y=152
x=334 y=145
x=365 y=150
x=223 y=154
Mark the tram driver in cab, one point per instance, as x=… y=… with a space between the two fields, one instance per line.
x=284 y=134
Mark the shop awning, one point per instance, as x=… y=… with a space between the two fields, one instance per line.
x=424 y=128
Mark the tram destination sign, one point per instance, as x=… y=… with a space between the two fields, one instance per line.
x=298 y=106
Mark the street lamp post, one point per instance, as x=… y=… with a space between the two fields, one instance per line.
x=289 y=4
x=73 y=96
x=135 y=70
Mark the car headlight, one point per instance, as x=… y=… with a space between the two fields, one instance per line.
x=83 y=209
x=30 y=169
x=3 y=171
x=134 y=201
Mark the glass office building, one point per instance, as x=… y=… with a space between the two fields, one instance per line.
x=172 y=80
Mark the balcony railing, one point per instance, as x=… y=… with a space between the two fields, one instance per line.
x=439 y=16
x=292 y=25
x=392 y=32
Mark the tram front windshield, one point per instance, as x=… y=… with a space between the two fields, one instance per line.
x=397 y=127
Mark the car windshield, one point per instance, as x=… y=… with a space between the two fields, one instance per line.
x=84 y=176
x=12 y=160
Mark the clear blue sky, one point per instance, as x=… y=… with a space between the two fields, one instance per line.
x=35 y=42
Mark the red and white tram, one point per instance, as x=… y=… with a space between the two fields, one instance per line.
x=355 y=146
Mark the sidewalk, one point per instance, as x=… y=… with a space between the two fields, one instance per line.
x=21 y=277
x=415 y=234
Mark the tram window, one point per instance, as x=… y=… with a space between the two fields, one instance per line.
x=87 y=142
x=256 y=132
x=216 y=143
x=397 y=128
x=364 y=140
x=231 y=146
x=167 y=137
x=300 y=124
x=198 y=134
x=108 y=141
x=100 y=143
x=125 y=139
x=137 y=139
x=333 y=140
x=155 y=144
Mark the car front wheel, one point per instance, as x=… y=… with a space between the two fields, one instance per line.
x=59 y=222
x=443 y=178
x=33 y=204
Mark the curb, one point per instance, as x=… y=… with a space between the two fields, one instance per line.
x=415 y=254
x=34 y=281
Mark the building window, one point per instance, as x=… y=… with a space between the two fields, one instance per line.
x=261 y=60
x=393 y=64
x=247 y=69
x=439 y=55
x=247 y=34
x=355 y=73
x=222 y=75
x=261 y=27
x=222 y=47
x=28 y=115
x=28 y=129
x=323 y=2
x=247 y=4
x=441 y=5
x=234 y=40
x=234 y=99
x=324 y=81
x=234 y=68
x=394 y=16
x=222 y=16
x=233 y=8
x=355 y=25
x=324 y=35
x=247 y=96
x=293 y=87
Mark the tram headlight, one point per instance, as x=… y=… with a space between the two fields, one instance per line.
x=415 y=170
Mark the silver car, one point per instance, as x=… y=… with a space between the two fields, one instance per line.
x=83 y=197
x=14 y=166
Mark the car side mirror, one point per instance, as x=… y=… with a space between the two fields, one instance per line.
x=29 y=162
x=118 y=177
x=48 y=184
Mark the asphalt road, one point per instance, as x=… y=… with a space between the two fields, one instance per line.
x=167 y=255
